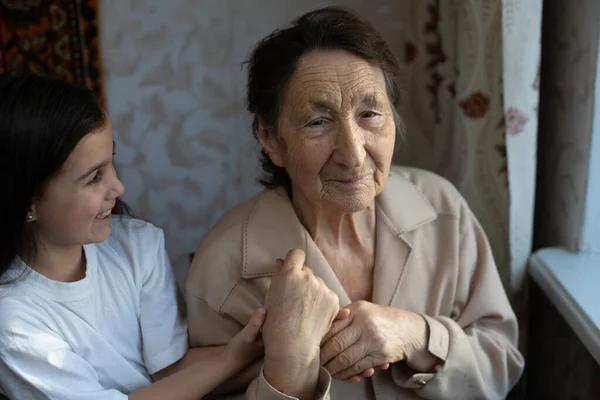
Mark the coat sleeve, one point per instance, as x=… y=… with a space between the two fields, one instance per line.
x=478 y=347
x=208 y=327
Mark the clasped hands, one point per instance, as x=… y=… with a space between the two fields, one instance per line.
x=305 y=326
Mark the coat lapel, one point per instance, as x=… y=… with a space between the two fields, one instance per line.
x=316 y=260
x=272 y=228
x=391 y=256
x=401 y=208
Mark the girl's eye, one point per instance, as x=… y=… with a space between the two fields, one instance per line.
x=96 y=178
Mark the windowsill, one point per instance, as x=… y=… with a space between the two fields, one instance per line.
x=571 y=282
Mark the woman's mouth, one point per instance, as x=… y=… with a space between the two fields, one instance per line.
x=352 y=181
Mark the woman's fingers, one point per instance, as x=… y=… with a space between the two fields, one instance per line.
x=336 y=327
x=369 y=372
x=347 y=359
x=354 y=379
x=354 y=369
x=294 y=259
x=343 y=313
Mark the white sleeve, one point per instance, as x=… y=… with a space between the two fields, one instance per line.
x=164 y=330
x=40 y=365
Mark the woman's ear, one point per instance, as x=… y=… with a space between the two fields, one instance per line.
x=269 y=142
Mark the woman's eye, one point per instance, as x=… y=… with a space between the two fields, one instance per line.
x=369 y=114
x=317 y=122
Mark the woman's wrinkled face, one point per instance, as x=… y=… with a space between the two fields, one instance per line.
x=335 y=133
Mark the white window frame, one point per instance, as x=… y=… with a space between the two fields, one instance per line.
x=570 y=278
x=590 y=235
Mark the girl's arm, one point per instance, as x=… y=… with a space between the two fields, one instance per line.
x=203 y=369
x=237 y=383
x=191 y=357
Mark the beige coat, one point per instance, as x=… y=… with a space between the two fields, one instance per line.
x=432 y=258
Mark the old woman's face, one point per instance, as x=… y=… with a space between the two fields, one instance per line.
x=335 y=134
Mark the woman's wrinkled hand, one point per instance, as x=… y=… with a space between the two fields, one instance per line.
x=301 y=309
x=374 y=336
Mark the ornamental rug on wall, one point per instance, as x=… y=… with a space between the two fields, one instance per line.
x=51 y=37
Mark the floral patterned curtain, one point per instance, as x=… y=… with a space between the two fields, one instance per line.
x=471 y=93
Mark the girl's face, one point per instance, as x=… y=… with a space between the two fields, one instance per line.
x=75 y=208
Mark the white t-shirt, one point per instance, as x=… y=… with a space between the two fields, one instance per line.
x=102 y=336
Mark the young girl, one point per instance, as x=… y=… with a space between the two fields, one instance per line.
x=88 y=307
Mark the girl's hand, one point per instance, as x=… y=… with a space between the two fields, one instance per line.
x=247 y=345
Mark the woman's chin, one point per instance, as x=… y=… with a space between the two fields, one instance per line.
x=351 y=204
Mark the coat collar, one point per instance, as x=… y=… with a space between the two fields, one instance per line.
x=272 y=228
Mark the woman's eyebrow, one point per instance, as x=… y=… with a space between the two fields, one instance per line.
x=370 y=99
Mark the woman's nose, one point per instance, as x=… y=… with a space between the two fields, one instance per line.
x=350 y=146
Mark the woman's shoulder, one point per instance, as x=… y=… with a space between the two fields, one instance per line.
x=220 y=251
x=436 y=191
x=226 y=233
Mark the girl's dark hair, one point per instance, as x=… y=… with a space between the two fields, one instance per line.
x=41 y=122
x=274 y=60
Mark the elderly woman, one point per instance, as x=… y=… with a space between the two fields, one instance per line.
x=397 y=248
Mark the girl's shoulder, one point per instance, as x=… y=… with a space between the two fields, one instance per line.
x=131 y=232
x=134 y=245
x=21 y=313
